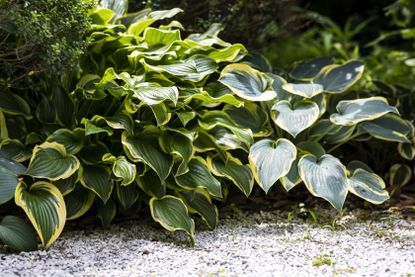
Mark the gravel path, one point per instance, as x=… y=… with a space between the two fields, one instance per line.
x=244 y=244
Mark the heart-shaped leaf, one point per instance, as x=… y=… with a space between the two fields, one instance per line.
x=172 y=214
x=17 y=234
x=152 y=94
x=247 y=82
x=146 y=149
x=407 y=150
x=199 y=176
x=50 y=160
x=399 y=175
x=78 y=202
x=98 y=179
x=234 y=170
x=295 y=118
x=72 y=140
x=127 y=195
x=200 y=203
x=368 y=186
x=270 y=160
x=304 y=90
x=324 y=177
x=44 y=206
x=351 y=112
x=338 y=78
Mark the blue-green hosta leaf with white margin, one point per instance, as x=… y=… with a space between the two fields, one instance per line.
x=247 y=83
x=122 y=168
x=351 y=112
x=295 y=118
x=199 y=176
x=233 y=169
x=8 y=183
x=45 y=207
x=98 y=179
x=368 y=186
x=304 y=90
x=152 y=94
x=172 y=214
x=17 y=234
x=270 y=160
x=72 y=140
x=306 y=70
x=193 y=69
x=146 y=149
x=338 y=78
x=389 y=127
x=50 y=160
x=200 y=202
x=324 y=177
x=407 y=150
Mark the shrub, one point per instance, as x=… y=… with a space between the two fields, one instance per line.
x=43 y=36
x=175 y=123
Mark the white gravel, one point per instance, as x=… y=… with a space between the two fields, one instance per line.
x=244 y=244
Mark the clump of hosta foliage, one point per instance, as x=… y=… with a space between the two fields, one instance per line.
x=173 y=122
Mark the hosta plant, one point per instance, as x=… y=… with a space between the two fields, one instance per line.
x=173 y=123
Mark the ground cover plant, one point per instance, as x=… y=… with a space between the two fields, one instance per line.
x=173 y=123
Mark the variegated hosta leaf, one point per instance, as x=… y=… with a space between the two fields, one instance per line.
x=250 y=116
x=151 y=94
x=368 y=186
x=11 y=103
x=153 y=36
x=308 y=69
x=339 y=135
x=67 y=185
x=324 y=177
x=140 y=25
x=338 y=78
x=50 y=160
x=151 y=184
x=124 y=170
x=247 y=82
x=199 y=202
x=206 y=142
x=389 y=127
x=92 y=128
x=93 y=153
x=8 y=183
x=14 y=150
x=44 y=206
x=17 y=234
x=407 y=150
x=399 y=175
x=194 y=69
x=270 y=160
x=98 y=179
x=180 y=146
x=304 y=90
x=292 y=178
x=229 y=54
x=119 y=121
x=127 y=195
x=351 y=112
x=295 y=118
x=354 y=165
x=233 y=169
x=172 y=214
x=72 y=140
x=199 y=176
x=146 y=149
x=78 y=202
